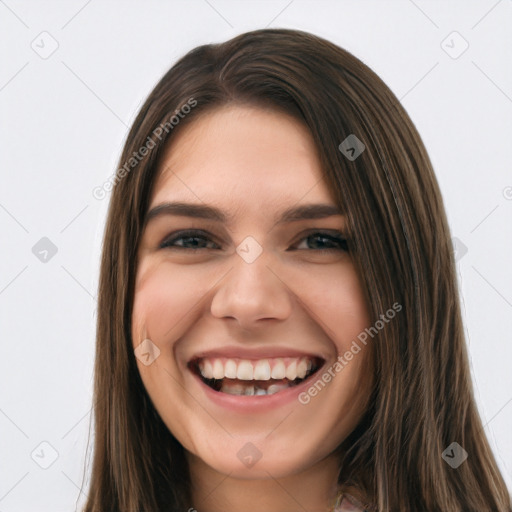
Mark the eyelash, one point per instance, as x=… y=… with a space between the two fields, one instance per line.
x=336 y=237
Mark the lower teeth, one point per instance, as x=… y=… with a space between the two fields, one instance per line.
x=250 y=389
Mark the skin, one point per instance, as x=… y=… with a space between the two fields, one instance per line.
x=252 y=164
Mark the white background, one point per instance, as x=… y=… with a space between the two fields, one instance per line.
x=64 y=120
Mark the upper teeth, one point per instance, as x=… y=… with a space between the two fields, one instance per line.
x=290 y=368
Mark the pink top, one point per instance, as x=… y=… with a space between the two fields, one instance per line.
x=348 y=503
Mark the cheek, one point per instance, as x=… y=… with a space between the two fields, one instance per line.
x=336 y=298
x=164 y=297
x=337 y=301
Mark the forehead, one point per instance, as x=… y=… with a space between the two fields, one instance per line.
x=241 y=153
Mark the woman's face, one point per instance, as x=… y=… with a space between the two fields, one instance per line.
x=256 y=294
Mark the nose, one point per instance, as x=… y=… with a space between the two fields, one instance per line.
x=252 y=292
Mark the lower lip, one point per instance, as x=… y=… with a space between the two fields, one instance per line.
x=256 y=403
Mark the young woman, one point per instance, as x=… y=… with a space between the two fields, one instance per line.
x=278 y=322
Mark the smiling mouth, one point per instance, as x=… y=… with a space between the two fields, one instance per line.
x=260 y=377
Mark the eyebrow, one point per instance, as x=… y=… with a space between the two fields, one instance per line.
x=202 y=211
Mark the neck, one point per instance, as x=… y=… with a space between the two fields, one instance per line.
x=313 y=489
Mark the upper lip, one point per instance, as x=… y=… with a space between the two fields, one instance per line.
x=233 y=352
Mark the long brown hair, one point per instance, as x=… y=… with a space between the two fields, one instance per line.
x=400 y=242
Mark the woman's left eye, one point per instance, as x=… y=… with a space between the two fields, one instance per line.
x=334 y=242
x=196 y=240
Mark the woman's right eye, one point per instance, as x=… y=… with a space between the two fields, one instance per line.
x=194 y=239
